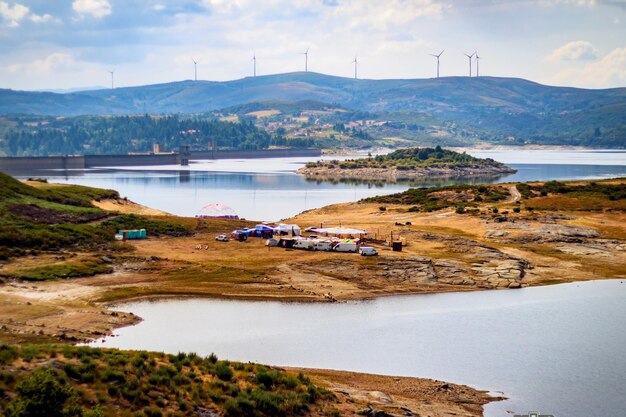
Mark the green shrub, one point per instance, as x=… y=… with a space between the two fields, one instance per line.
x=42 y=393
x=223 y=371
x=7 y=353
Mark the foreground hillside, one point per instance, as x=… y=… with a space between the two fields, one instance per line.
x=55 y=381
x=493 y=109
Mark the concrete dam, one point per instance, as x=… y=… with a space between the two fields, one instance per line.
x=31 y=164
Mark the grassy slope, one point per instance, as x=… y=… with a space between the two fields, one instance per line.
x=99 y=382
x=51 y=217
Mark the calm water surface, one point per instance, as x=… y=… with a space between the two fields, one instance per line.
x=558 y=349
x=269 y=189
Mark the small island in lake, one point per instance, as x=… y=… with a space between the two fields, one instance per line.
x=408 y=164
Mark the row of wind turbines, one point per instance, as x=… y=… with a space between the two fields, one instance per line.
x=469 y=58
x=355 y=62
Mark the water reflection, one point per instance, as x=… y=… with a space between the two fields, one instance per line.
x=270 y=189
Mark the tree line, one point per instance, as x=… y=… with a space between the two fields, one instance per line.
x=40 y=136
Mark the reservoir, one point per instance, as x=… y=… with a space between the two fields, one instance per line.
x=269 y=189
x=557 y=349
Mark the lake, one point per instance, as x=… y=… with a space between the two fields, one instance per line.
x=269 y=189
x=557 y=349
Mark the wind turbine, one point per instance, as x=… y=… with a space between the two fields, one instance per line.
x=306 y=60
x=356 y=64
x=437 y=56
x=469 y=57
x=112 y=72
x=477 y=64
x=254 y=64
x=195 y=69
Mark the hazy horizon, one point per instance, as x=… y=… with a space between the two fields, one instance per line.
x=72 y=44
x=78 y=90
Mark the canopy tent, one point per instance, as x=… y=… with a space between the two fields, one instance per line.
x=286 y=229
x=217 y=211
x=337 y=231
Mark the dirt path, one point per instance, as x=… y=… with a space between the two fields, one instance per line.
x=515 y=195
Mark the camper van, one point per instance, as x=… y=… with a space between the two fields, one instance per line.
x=368 y=251
x=303 y=244
x=345 y=247
x=325 y=245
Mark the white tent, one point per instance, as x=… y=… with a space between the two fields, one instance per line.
x=286 y=229
x=217 y=211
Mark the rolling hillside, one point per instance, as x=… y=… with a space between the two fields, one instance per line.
x=498 y=107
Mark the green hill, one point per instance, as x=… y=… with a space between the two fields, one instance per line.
x=510 y=109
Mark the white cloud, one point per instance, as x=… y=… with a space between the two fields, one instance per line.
x=574 y=51
x=606 y=72
x=95 y=8
x=384 y=15
x=573 y=2
x=13 y=15
x=39 y=18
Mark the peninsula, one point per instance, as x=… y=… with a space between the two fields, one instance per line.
x=408 y=164
x=60 y=270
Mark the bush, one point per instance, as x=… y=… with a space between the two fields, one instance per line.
x=7 y=354
x=42 y=393
x=223 y=371
x=382 y=208
x=516 y=210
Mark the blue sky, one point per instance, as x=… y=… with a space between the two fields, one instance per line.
x=61 y=44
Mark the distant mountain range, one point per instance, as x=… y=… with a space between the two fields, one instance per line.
x=487 y=105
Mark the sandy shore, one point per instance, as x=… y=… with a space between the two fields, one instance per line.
x=400 y=396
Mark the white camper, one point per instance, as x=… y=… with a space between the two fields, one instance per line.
x=325 y=245
x=303 y=244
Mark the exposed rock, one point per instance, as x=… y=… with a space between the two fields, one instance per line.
x=205 y=412
x=493 y=234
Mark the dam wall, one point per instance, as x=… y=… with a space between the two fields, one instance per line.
x=26 y=165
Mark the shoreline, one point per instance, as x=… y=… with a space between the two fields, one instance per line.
x=396 y=175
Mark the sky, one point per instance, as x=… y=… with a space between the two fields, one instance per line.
x=65 y=44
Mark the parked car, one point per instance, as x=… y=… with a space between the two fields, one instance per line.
x=222 y=238
x=368 y=251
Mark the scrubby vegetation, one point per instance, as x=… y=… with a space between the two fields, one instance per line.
x=430 y=199
x=48 y=380
x=594 y=195
x=411 y=158
x=70 y=269
x=610 y=191
x=53 y=217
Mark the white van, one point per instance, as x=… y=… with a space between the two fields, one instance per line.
x=368 y=251
x=303 y=244
x=345 y=247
